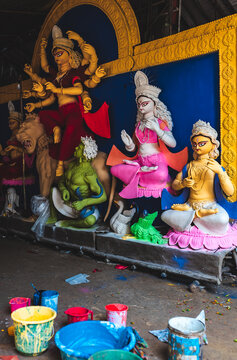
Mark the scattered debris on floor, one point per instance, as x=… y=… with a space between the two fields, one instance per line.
x=195 y=286
x=78 y=279
x=120 y=267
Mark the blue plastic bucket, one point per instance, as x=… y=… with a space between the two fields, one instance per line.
x=185 y=338
x=49 y=298
x=80 y=340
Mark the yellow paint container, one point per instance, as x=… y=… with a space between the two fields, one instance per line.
x=33 y=328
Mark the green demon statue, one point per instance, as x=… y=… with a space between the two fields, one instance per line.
x=79 y=190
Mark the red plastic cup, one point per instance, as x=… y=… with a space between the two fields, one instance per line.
x=19 y=302
x=76 y=314
x=117 y=314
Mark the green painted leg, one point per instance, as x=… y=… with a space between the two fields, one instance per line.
x=81 y=223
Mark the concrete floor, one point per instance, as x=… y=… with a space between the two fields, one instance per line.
x=151 y=300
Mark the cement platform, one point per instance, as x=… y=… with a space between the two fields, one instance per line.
x=201 y=265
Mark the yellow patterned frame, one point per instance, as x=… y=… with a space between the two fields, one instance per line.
x=218 y=36
x=122 y=17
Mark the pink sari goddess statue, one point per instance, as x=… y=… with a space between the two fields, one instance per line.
x=146 y=174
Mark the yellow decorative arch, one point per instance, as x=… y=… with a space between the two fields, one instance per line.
x=119 y=12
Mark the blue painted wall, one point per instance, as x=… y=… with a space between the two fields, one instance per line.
x=190 y=89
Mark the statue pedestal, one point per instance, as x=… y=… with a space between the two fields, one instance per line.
x=202 y=265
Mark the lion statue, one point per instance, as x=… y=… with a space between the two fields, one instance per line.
x=33 y=137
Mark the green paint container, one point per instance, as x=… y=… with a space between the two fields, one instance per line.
x=33 y=328
x=114 y=355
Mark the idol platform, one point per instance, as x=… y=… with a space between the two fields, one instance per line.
x=202 y=265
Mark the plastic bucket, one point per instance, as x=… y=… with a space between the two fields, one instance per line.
x=114 y=355
x=33 y=327
x=37 y=297
x=19 y=302
x=49 y=298
x=75 y=314
x=185 y=338
x=82 y=339
x=117 y=314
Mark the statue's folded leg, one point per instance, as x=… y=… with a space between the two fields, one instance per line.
x=216 y=224
x=124 y=172
x=178 y=220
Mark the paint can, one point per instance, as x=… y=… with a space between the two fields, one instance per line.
x=117 y=314
x=37 y=297
x=49 y=298
x=76 y=314
x=33 y=328
x=19 y=302
x=185 y=338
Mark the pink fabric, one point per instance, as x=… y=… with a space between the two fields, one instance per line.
x=197 y=240
x=14 y=182
x=143 y=183
x=148 y=136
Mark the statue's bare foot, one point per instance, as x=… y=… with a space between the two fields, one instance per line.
x=60 y=169
x=205 y=212
x=181 y=207
x=56 y=134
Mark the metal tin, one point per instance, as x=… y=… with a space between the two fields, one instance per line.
x=185 y=338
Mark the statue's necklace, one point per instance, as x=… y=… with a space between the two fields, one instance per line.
x=142 y=127
x=197 y=172
x=60 y=78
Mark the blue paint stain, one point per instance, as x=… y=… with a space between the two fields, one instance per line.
x=180 y=261
x=121 y=277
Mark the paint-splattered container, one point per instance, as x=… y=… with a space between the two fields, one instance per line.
x=117 y=314
x=33 y=327
x=19 y=302
x=49 y=298
x=185 y=338
x=82 y=339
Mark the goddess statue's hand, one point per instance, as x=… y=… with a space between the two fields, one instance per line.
x=30 y=107
x=26 y=94
x=65 y=195
x=188 y=182
x=72 y=35
x=154 y=126
x=87 y=105
x=214 y=166
x=28 y=69
x=100 y=72
x=127 y=140
x=88 y=49
x=38 y=87
x=43 y=43
x=51 y=86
